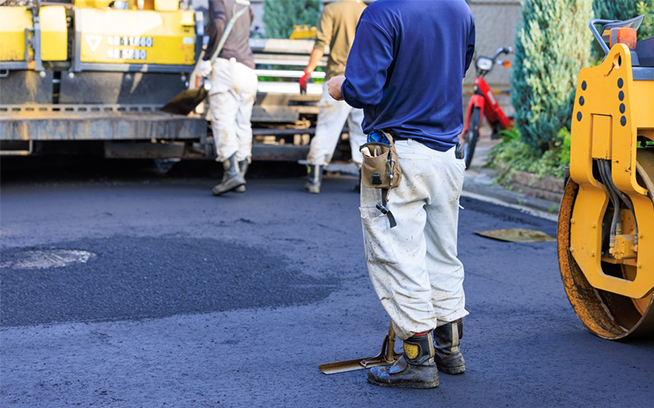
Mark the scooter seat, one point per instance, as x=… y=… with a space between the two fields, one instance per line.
x=645 y=51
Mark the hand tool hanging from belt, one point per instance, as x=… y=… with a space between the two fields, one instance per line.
x=380 y=168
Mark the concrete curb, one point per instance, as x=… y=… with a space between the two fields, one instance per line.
x=479 y=184
x=535 y=195
x=529 y=193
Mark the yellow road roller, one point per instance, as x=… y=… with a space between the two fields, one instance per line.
x=606 y=219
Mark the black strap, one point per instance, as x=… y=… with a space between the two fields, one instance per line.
x=384 y=209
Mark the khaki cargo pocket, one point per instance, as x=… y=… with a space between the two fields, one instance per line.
x=377 y=236
x=221 y=79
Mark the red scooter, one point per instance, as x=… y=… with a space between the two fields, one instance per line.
x=484 y=101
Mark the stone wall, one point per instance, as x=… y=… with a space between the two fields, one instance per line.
x=496 y=22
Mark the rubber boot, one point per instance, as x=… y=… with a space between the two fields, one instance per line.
x=415 y=369
x=243 y=166
x=314 y=176
x=448 y=348
x=232 y=177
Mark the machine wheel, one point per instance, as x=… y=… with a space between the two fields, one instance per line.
x=607 y=315
x=472 y=137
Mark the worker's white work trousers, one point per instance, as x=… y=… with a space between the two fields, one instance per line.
x=414 y=266
x=233 y=92
x=332 y=115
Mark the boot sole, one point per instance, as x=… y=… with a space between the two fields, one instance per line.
x=452 y=370
x=231 y=188
x=425 y=385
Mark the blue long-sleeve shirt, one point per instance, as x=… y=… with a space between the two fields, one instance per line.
x=406 y=68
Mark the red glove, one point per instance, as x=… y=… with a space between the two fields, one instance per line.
x=303 y=82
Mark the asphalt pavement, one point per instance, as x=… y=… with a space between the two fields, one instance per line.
x=123 y=287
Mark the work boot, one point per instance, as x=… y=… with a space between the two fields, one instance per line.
x=415 y=369
x=232 y=177
x=448 y=348
x=314 y=176
x=243 y=166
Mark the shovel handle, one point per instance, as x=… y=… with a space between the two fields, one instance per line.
x=230 y=25
x=390 y=347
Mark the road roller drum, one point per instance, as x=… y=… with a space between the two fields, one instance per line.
x=606 y=219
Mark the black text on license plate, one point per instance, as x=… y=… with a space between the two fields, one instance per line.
x=130 y=41
x=127 y=54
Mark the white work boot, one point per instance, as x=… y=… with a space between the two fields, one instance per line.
x=314 y=176
x=232 y=177
x=243 y=166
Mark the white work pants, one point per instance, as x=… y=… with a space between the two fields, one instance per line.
x=233 y=92
x=332 y=115
x=414 y=266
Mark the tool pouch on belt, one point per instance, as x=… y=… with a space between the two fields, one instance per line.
x=381 y=170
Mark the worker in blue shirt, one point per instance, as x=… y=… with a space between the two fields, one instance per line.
x=405 y=70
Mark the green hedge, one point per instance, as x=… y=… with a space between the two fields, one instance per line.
x=552 y=45
x=279 y=16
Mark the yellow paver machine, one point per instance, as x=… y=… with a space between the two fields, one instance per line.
x=94 y=71
x=606 y=220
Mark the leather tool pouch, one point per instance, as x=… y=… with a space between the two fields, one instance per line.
x=381 y=170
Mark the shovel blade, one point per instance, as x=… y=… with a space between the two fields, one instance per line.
x=352 y=365
x=186 y=101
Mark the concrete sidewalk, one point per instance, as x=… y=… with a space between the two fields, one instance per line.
x=479 y=184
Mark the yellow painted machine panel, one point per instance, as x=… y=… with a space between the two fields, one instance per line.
x=93 y=3
x=611 y=109
x=166 y=5
x=13 y=22
x=54 y=34
x=136 y=36
x=601 y=137
x=644 y=108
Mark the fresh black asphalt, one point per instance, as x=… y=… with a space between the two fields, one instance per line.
x=196 y=301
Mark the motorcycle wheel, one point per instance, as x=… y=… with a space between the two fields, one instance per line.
x=472 y=137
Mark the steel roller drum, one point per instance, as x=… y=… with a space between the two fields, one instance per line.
x=607 y=315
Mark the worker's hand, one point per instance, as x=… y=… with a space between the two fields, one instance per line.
x=334 y=86
x=303 y=82
x=205 y=68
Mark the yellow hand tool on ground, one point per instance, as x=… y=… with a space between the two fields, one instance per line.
x=387 y=355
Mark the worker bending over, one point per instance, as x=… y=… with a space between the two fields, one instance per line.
x=405 y=70
x=232 y=95
x=336 y=28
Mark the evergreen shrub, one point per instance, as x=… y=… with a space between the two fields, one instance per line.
x=624 y=10
x=552 y=45
x=646 y=8
x=279 y=16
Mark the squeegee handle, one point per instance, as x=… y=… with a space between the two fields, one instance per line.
x=230 y=25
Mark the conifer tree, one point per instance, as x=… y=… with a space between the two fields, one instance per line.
x=612 y=10
x=552 y=45
x=625 y=10
x=279 y=16
x=646 y=8
x=615 y=9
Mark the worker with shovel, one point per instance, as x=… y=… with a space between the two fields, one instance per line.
x=405 y=70
x=336 y=29
x=233 y=89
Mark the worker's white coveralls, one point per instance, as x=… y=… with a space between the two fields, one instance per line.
x=414 y=266
x=232 y=95
x=332 y=115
